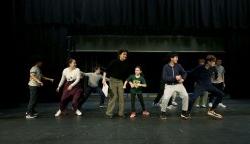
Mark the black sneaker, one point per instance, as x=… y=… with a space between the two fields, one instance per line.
x=185 y=115
x=163 y=116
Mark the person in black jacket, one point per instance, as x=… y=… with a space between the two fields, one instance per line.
x=203 y=75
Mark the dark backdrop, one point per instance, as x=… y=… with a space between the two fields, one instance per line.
x=42 y=27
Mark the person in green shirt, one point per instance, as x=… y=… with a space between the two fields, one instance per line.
x=137 y=83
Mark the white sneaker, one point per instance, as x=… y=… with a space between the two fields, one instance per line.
x=174 y=103
x=222 y=105
x=210 y=105
x=203 y=106
x=197 y=106
x=78 y=112
x=58 y=113
x=28 y=116
x=170 y=107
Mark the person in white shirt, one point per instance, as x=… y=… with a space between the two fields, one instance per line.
x=35 y=82
x=218 y=82
x=71 y=88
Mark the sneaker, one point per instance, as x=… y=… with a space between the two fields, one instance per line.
x=30 y=116
x=203 y=106
x=210 y=105
x=145 y=113
x=155 y=104
x=163 y=116
x=58 y=113
x=101 y=106
x=132 y=115
x=174 y=103
x=170 y=107
x=109 y=116
x=222 y=105
x=185 y=115
x=35 y=113
x=122 y=116
x=214 y=114
x=197 y=106
x=78 y=112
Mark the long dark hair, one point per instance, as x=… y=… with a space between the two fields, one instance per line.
x=69 y=61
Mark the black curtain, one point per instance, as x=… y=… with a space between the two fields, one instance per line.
x=42 y=27
x=162 y=14
x=237 y=45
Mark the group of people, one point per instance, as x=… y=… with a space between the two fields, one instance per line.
x=116 y=76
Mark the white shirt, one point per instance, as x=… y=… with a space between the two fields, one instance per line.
x=70 y=76
x=38 y=74
x=221 y=71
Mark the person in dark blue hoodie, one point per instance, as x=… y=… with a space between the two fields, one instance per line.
x=202 y=75
x=173 y=76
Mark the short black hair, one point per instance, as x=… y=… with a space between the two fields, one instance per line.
x=121 y=51
x=172 y=55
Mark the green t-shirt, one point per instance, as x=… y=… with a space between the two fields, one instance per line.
x=134 y=80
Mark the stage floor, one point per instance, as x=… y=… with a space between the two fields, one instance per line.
x=94 y=128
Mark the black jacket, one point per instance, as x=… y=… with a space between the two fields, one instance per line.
x=169 y=73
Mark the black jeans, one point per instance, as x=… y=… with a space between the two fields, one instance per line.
x=34 y=91
x=199 y=89
x=140 y=97
x=90 y=90
x=219 y=86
